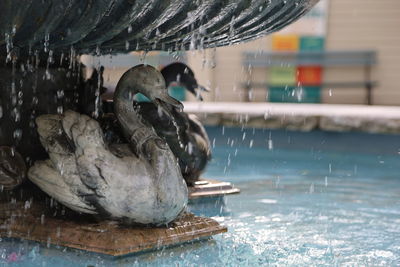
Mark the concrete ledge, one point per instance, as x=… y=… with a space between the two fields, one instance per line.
x=300 y=117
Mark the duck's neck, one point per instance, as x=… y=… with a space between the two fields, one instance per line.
x=126 y=114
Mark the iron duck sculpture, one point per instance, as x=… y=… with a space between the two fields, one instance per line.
x=179 y=74
x=12 y=168
x=136 y=183
x=183 y=132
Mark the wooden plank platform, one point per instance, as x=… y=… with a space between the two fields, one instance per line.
x=105 y=237
x=211 y=188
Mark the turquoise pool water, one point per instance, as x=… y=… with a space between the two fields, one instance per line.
x=307 y=199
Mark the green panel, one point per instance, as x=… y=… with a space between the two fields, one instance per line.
x=282 y=76
x=293 y=94
x=312 y=43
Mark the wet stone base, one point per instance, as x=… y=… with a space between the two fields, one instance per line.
x=17 y=221
x=211 y=188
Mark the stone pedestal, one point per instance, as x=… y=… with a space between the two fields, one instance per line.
x=17 y=220
x=211 y=188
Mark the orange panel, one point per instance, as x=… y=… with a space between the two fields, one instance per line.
x=285 y=42
x=309 y=75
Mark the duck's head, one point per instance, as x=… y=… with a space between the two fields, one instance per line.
x=180 y=74
x=147 y=80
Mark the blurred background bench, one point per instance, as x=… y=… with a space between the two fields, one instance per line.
x=317 y=59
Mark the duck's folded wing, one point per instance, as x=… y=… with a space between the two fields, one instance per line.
x=44 y=175
x=54 y=132
x=200 y=134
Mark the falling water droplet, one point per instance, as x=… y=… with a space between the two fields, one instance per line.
x=232 y=28
x=61 y=58
x=27 y=205
x=190 y=148
x=270 y=144
x=46 y=43
x=311 y=190
x=98 y=50
x=60 y=94
x=177 y=132
x=142 y=57
x=250 y=94
x=17 y=134
x=47 y=75
x=35 y=101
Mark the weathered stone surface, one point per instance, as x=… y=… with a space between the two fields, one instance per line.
x=339 y=124
x=304 y=123
x=372 y=125
x=293 y=122
x=210 y=119
x=391 y=126
x=290 y=122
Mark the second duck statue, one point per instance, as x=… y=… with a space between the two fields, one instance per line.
x=139 y=182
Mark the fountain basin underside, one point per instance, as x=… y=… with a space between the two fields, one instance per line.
x=122 y=25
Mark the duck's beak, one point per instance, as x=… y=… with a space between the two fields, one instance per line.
x=167 y=103
x=202 y=88
x=196 y=91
